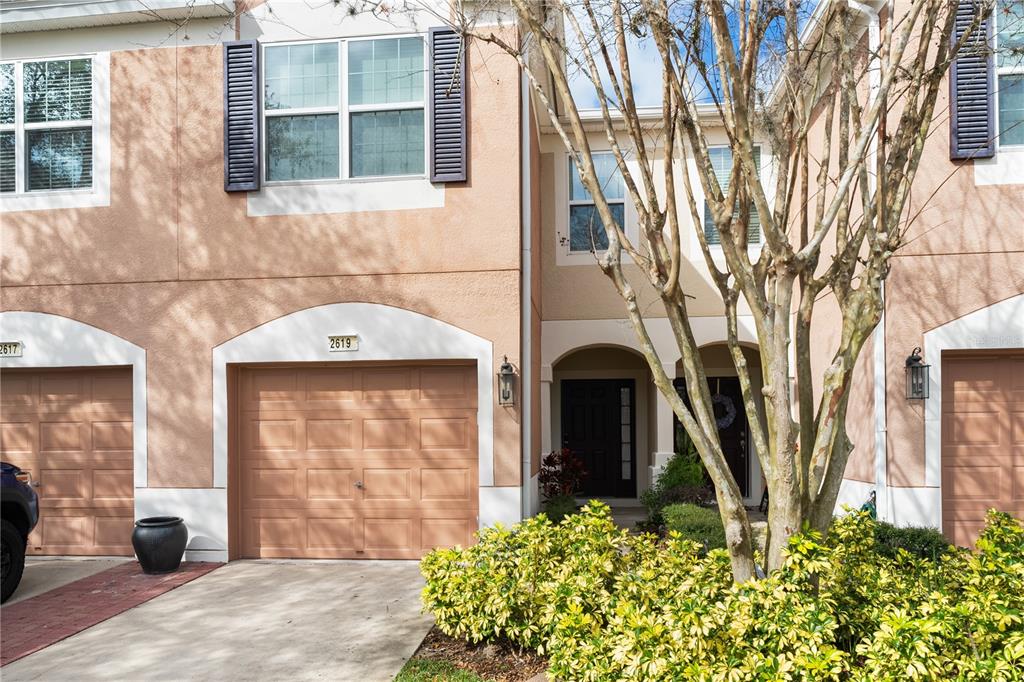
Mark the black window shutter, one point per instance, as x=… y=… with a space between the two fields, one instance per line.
x=241 y=116
x=972 y=116
x=448 y=99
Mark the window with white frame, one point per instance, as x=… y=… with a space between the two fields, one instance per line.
x=721 y=161
x=374 y=126
x=46 y=122
x=586 y=232
x=1010 y=71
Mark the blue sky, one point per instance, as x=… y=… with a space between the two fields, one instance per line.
x=646 y=72
x=646 y=69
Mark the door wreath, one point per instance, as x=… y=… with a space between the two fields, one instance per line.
x=729 y=407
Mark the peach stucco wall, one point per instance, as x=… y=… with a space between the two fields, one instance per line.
x=963 y=251
x=175 y=265
x=582 y=291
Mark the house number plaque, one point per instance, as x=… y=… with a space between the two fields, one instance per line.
x=338 y=344
x=10 y=349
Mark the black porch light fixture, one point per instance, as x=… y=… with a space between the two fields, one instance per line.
x=917 y=376
x=506 y=384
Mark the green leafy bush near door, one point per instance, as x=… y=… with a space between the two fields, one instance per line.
x=682 y=481
x=606 y=605
x=557 y=508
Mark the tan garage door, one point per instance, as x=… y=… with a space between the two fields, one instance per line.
x=982 y=440
x=72 y=428
x=357 y=460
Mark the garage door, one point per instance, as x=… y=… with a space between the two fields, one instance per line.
x=357 y=461
x=73 y=430
x=982 y=440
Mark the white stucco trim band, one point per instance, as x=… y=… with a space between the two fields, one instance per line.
x=852 y=494
x=998 y=326
x=1005 y=168
x=345 y=196
x=561 y=337
x=919 y=507
x=55 y=341
x=204 y=511
x=500 y=504
x=385 y=333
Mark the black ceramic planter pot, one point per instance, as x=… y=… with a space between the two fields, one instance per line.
x=159 y=542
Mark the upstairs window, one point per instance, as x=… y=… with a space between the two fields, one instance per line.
x=46 y=125
x=8 y=134
x=586 y=232
x=386 y=107
x=367 y=122
x=721 y=161
x=301 y=103
x=1009 y=16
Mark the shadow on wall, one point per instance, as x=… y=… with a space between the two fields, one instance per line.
x=964 y=253
x=201 y=271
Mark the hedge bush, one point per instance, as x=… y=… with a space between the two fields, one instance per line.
x=682 y=481
x=926 y=543
x=700 y=524
x=606 y=605
x=557 y=508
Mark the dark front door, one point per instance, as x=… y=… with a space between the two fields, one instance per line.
x=727 y=401
x=598 y=418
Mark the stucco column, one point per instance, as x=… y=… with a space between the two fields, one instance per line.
x=545 y=409
x=664 y=446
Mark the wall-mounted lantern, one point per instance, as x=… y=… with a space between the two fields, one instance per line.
x=917 y=376
x=506 y=384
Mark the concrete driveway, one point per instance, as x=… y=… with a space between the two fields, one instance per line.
x=43 y=574
x=254 y=620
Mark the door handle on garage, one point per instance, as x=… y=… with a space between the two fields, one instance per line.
x=359 y=484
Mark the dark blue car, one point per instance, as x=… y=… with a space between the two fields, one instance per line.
x=18 y=516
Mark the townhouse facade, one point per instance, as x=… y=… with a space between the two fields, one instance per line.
x=597 y=394
x=322 y=285
x=299 y=356
x=941 y=456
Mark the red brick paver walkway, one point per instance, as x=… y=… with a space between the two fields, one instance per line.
x=36 y=623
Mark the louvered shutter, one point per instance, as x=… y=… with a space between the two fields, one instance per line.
x=972 y=115
x=448 y=98
x=241 y=116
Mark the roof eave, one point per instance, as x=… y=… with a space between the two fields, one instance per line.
x=22 y=16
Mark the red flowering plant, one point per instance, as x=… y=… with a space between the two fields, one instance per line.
x=561 y=473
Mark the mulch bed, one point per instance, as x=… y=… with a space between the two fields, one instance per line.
x=502 y=663
x=46 y=619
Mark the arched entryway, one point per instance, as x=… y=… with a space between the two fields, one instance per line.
x=600 y=398
x=733 y=421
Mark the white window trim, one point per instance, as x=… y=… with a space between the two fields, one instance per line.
x=343 y=110
x=563 y=254
x=99 y=193
x=1006 y=166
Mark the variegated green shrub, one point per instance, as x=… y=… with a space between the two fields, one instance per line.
x=605 y=605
